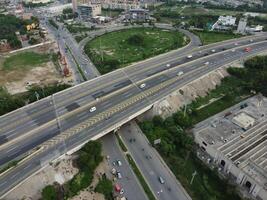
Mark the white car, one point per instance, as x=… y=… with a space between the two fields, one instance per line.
x=206 y=63
x=93 y=109
x=189 y=56
x=251 y=40
x=236 y=44
x=168 y=65
x=233 y=50
x=119 y=175
x=119 y=163
x=161 y=180
x=142 y=85
x=122 y=191
x=180 y=73
x=213 y=50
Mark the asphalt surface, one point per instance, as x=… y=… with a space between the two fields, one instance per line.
x=151 y=165
x=116 y=97
x=132 y=189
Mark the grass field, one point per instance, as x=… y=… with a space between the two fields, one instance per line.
x=113 y=50
x=212 y=37
x=25 y=61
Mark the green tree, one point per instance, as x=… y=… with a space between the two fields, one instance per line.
x=136 y=39
x=49 y=193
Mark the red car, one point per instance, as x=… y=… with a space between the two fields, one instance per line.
x=117 y=187
x=247 y=49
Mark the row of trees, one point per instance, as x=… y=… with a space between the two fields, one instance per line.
x=9 y=24
x=10 y=102
x=254 y=75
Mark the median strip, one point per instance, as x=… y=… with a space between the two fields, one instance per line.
x=141 y=179
x=78 y=66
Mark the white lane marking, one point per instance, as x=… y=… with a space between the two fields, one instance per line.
x=9 y=150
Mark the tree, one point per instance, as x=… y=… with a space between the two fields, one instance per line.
x=67 y=11
x=136 y=39
x=49 y=193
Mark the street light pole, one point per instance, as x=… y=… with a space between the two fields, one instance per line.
x=193 y=176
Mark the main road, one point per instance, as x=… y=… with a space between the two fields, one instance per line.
x=46 y=129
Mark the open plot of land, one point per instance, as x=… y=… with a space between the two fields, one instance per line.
x=23 y=69
x=212 y=37
x=24 y=61
x=117 y=49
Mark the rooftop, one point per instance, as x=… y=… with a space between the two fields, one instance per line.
x=240 y=133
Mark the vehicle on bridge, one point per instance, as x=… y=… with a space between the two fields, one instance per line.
x=93 y=109
x=247 y=49
x=180 y=73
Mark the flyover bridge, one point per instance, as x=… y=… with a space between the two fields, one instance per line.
x=48 y=128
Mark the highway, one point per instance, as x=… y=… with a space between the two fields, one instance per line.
x=151 y=165
x=132 y=189
x=61 y=122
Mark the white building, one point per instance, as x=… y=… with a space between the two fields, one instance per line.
x=236 y=140
x=257 y=28
x=224 y=23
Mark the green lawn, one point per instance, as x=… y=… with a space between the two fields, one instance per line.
x=24 y=61
x=212 y=37
x=114 y=50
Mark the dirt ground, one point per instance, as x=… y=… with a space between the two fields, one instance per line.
x=60 y=172
x=89 y=193
x=18 y=81
x=31 y=189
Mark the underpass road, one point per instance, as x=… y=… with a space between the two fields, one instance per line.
x=151 y=165
x=132 y=189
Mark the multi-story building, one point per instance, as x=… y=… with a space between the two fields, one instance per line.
x=137 y=15
x=236 y=141
x=89 y=10
x=121 y=4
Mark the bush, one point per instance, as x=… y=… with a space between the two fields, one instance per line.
x=104 y=187
x=49 y=193
x=136 y=39
x=89 y=158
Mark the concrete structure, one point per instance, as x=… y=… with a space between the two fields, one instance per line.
x=89 y=10
x=137 y=15
x=236 y=140
x=242 y=25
